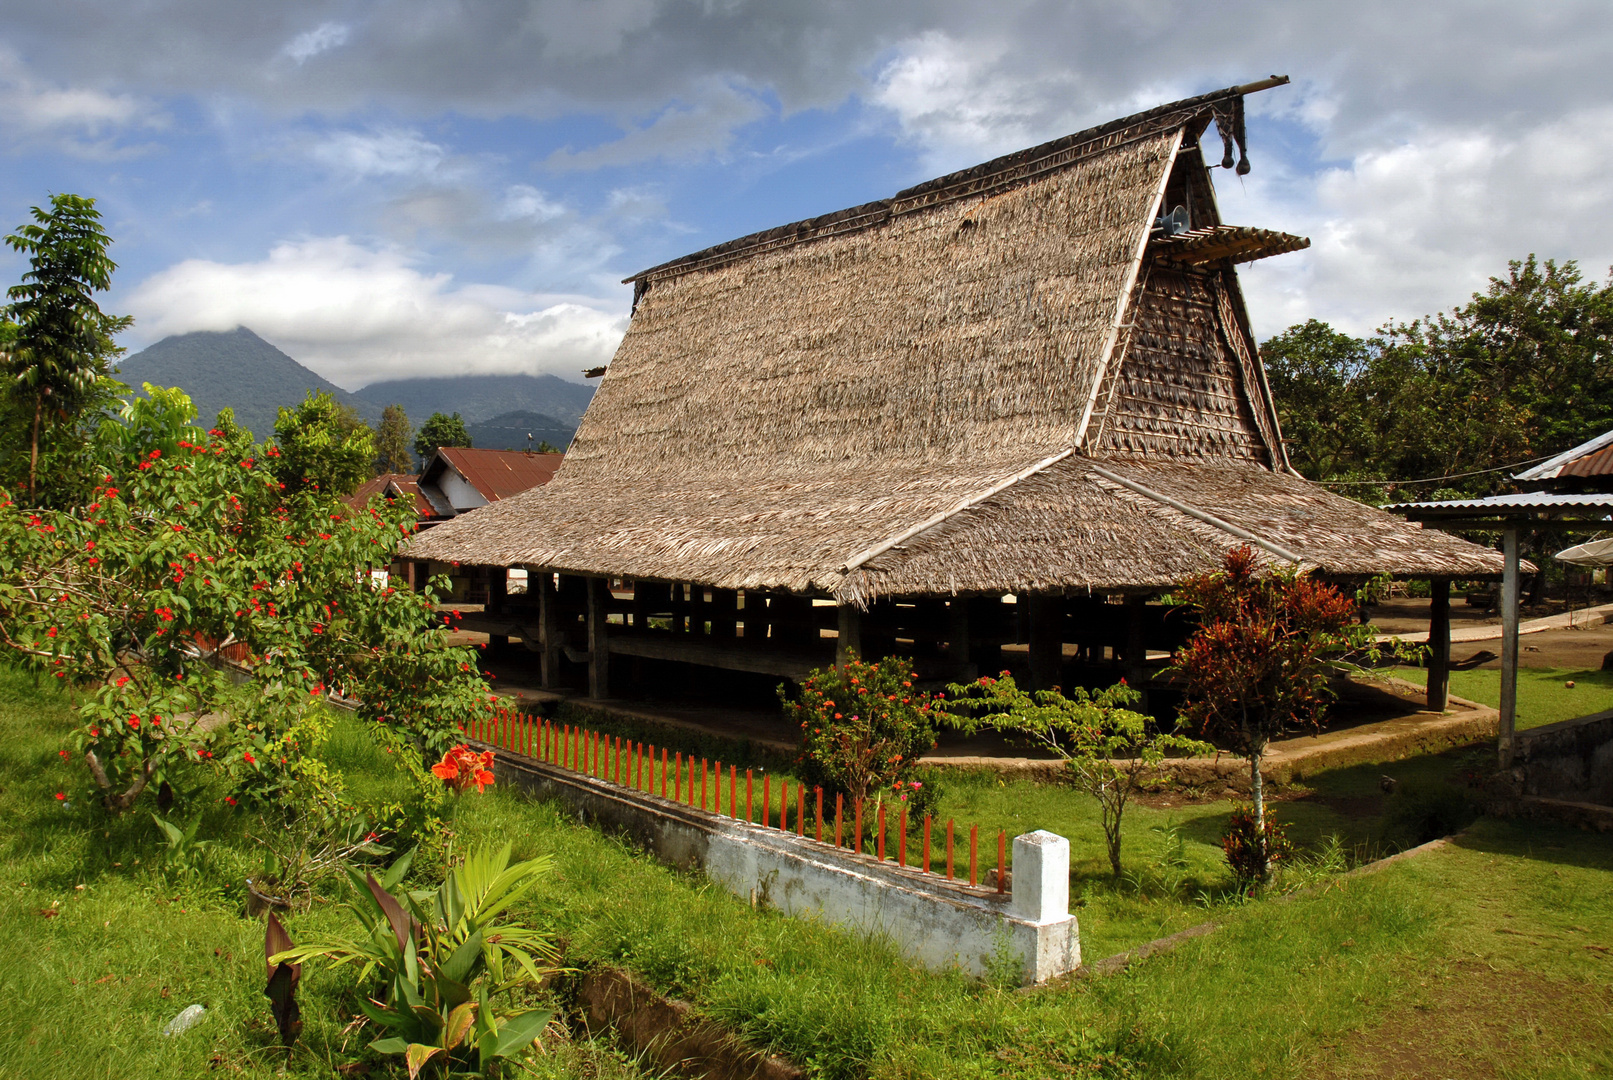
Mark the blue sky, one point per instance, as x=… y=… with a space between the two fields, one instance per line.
x=387 y=189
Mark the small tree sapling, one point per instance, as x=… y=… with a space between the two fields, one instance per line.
x=1260 y=662
x=1108 y=748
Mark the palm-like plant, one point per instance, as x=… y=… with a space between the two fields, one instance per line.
x=443 y=958
x=62 y=342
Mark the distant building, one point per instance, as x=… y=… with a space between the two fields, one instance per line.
x=393 y=486
x=1587 y=467
x=456 y=479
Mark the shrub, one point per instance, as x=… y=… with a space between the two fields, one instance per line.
x=1253 y=843
x=1108 y=748
x=446 y=962
x=863 y=730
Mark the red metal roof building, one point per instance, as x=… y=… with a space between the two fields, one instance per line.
x=1587 y=466
x=393 y=486
x=456 y=479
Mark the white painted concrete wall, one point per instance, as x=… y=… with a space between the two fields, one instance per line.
x=936 y=923
x=940 y=926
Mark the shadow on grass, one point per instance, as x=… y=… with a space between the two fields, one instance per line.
x=1541 y=842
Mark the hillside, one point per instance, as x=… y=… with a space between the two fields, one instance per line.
x=478 y=398
x=509 y=431
x=233 y=368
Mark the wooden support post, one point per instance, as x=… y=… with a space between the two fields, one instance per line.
x=1046 y=639
x=598 y=649
x=498 y=589
x=958 y=639
x=1509 y=643
x=723 y=612
x=1136 y=655
x=1439 y=643
x=851 y=633
x=549 y=642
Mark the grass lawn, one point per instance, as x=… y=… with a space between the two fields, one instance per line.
x=1486 y=958
x=1543 y=694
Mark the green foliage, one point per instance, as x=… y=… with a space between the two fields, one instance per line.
x=444 y=960
x=1523 y=370
x=322 y=445
x=184 y=851
x=1309 y=971
x=190 y=547
x=59 y=345
x=440 y=430
x=1108 y=748
x=863 y=729
x=392 y=442
x=546 y=447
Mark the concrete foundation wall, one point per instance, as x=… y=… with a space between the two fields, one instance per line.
x=933 y=922
x=1571 y=760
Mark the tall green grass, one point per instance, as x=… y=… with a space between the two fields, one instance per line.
x=1280 y=991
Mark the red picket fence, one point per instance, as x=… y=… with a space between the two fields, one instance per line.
x=678 y=778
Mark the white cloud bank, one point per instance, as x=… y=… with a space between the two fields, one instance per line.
x=1408 y=230
x=357 y=315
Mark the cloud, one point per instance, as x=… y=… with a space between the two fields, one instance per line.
x=81 y=121
x=311 y=43
x=390 y=152
x=682 y=131
x=954 y=99
x=1412 y=229
x=356 y=314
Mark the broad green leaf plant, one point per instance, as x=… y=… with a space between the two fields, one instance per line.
x=444 y=963
x=1109 y=749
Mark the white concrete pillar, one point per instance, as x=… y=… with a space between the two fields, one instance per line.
x=1041 y=882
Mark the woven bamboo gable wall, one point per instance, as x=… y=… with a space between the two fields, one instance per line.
x=1179 y=390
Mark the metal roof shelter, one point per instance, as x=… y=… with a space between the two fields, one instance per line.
x=1589 y=459
x=1509 y=514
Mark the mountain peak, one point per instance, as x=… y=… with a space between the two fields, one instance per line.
x=234 y=369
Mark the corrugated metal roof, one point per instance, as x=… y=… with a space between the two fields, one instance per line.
x=1599 y=463
x=1592 y=458
x=395 y=486
x=498 y=474
x=1525 y=501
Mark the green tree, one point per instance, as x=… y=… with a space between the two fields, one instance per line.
x=190 y=548
x=440 y=430
x=1260 y=661
x=1108 y=748
x=1523 y=370
x=392 y=442
x=322 y=444
x=61 y=348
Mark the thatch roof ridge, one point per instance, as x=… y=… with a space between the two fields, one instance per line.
x=1012 y=168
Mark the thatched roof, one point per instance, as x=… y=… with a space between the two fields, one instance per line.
x=816 y=407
